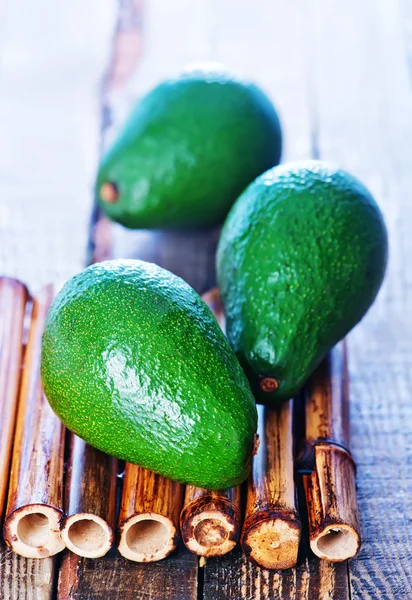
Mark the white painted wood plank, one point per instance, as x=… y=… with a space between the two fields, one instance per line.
x=263 y=41
x=361 y=90
x=52 y=58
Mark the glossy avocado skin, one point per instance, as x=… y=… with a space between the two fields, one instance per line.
x=301 y=258
x=187 y=150
x=135 y=363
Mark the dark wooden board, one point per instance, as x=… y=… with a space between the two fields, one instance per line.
x=25 y=578
x=231 y=576
x=114 y=577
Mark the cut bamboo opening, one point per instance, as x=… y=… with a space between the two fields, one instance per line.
x=149 y=515
x=90 y=500
x=271 y=532
x=210 y=520
x=328 y=467
x=13 y=301
x=34 y=507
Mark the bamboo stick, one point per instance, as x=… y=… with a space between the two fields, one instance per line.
x=90 y=500
x=210 y=520
x=271 y=532
x=34 y=507
x=13 y=300
x=329 y=469
x=149 y=515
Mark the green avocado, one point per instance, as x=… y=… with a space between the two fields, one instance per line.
x=186 y=152
x=301 y=258
x=134 y=362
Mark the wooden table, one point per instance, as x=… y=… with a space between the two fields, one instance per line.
x=340 y=75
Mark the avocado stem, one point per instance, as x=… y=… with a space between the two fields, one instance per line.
x=268 y=384
x=109 y=192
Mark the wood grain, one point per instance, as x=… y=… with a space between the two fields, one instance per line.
x=25 y=578
x=13 y=299
x=149 y=515
x=89 y=500
x=231 y=576
x=116 y=578
x=35 y=502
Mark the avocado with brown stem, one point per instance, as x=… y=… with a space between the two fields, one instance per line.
x=301 y=258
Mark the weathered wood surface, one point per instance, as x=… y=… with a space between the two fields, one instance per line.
x=115 y=578
x=231 y=576
x=340 y=74
x=362 y=92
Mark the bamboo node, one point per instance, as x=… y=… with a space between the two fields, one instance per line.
x=211 y=532
x=272 y=542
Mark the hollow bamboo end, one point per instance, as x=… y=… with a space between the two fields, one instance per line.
x=336 y=543
x=330 y=492
x=272 y=543
x=87 y=535
x=33 y=531
x=210 y=532
x=147 y=537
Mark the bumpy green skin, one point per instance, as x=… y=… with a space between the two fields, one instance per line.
x=301 y=258
x=134 y=362
x=188 y=149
